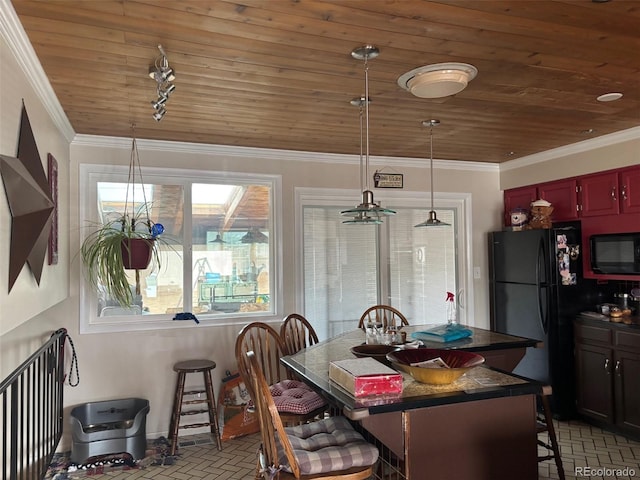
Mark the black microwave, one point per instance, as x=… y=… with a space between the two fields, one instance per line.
x=615 y=253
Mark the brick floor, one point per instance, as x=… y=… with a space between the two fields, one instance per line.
x=582 y=447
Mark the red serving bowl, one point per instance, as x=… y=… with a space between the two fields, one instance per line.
x=460 y=362
x=377 y=351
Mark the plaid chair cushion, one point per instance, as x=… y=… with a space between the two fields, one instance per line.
x=328 y=445
x=291 y=396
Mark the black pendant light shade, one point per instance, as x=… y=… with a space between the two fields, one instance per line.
x=254 y=235
x=218 y=239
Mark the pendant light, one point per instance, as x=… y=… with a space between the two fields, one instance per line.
x=218 y=239
x=433 y=219
x=367 y=212
x=254 y=235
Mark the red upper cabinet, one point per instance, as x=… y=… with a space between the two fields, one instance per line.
x=630 y=190
x=518 y=198
x=563 y=196
x=611 y=193
x=600 y=194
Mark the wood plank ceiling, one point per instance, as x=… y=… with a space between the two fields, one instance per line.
x=279 y=74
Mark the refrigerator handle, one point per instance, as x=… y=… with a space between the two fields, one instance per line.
x=542 y=315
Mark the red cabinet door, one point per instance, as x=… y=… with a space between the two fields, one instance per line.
x=518 y=198
x=563 y=196
x=600 y=194
x=630 y=190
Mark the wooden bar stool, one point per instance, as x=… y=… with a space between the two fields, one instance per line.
x=193 y=366
x=545 y=424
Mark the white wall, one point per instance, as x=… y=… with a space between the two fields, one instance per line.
x=27 y=298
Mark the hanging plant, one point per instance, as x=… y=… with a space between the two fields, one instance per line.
x=129 y=242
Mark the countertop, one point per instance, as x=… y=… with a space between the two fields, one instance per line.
x=480 y=340
x=633 y=326
x=312 y=365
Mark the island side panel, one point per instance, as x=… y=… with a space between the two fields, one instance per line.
x=387 y=427
x=491 y=439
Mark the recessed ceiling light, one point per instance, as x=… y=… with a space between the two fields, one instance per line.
x=588 y=131
x=609 y=97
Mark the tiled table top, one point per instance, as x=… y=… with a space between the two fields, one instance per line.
x=312 y=364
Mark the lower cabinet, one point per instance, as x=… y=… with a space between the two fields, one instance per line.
x=593 y=382
x=608 y=374
x=627 y=390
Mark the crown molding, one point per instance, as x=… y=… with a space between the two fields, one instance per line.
x=16 y=38
x=579 y=147
x=99 y=141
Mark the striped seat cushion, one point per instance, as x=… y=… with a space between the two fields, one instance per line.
x=291 y=396
x=328 y=445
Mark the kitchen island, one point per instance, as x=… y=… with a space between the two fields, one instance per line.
x=480 y=427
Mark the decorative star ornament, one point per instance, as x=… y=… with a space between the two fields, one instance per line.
x=30 y=204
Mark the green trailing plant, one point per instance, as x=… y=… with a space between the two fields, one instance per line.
x=107 y=250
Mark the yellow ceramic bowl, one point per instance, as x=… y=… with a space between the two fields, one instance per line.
x=460 y=362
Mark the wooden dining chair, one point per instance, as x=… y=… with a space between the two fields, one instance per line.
x=545 y=424
x=384 y=315
x=325 y=449
x=296 y=401
x=297 y=333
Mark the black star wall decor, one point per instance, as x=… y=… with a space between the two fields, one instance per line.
x=30 y=204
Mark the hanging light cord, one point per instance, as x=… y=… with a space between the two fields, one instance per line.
x=431 y=162
x=362 y=174
x=366 y=109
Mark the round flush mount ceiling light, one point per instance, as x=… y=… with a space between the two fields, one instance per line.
x=438 y=80
x=609 y=97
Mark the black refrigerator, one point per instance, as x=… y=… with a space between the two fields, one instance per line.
x=536 y=290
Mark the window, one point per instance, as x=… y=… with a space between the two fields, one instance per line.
x=218 y=258
x=348 y=268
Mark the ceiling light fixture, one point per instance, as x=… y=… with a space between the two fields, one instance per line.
x=157 y=116
x=433 y=219
x=254 y=235
x=438 y=80
x=218 y=239
x=157 y=104
x=163 y=74
x=609 y=97
x=367 y=212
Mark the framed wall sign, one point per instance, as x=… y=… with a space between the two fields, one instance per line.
x=387 y=180
x=52 y=165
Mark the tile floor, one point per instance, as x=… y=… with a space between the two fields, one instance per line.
x=581 y=446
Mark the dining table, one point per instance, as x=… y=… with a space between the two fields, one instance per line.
x=481 y=426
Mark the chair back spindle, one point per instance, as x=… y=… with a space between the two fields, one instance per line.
x=297 y=333
x=264 y=341
x=383 y=315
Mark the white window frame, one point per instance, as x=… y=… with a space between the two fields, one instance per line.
x=460 y=202
x=91 y=174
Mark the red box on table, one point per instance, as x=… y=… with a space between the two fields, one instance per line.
x=365 y=376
